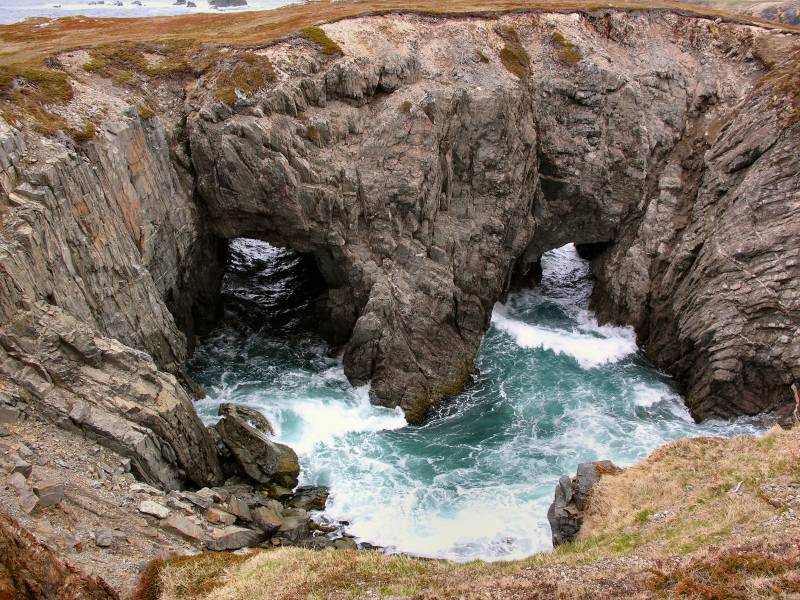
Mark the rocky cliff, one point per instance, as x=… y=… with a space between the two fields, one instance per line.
x=425 y=163
x=437 y=159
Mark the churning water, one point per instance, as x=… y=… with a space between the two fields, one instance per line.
x=553 y=389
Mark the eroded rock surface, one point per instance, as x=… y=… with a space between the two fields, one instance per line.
x=423 y=178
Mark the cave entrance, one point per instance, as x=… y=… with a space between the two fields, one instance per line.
x=267 y=287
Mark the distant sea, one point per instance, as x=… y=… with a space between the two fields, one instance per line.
x=12 y=11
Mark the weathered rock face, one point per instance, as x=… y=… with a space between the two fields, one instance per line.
x=93 y=249
x=569 y=501
x=244 y=432
x=422 y=178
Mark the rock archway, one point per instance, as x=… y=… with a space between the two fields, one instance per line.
x=422 y=187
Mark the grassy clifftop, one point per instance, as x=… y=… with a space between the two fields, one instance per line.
x=36 y=39
x=700 y=518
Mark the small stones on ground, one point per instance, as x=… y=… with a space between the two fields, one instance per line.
x=154 y=509
x=103 y=538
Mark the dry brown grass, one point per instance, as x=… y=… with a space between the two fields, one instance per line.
x=566 y=52
x=672 y=511
x=513 y=55
x=246 y=73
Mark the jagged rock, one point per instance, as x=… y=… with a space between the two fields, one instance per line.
x=184 y=526
x=28 y=501
x=143 y=488
x=49 y=492
x=217 y=516
x=419 y=220
x=233 y=538
x=310 y=497
x=294 y=525
x=566 y=512
x=154 y=509
x=268 y=518
x=261 y=459
x=239 y=508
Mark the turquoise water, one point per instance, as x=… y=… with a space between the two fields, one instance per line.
x=553 y=389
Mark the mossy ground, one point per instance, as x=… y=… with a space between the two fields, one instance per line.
x=675 y=525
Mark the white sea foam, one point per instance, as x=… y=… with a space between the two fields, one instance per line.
x=590 y=344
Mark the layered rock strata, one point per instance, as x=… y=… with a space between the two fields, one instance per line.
x=424 y=170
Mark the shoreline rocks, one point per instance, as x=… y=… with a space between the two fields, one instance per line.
x=566 y=511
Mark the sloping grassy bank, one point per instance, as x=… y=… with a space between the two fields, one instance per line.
x=701 y=518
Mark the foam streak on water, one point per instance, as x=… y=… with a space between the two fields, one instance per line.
x=554 y=389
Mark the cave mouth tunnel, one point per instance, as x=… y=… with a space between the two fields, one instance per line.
x=267 y=287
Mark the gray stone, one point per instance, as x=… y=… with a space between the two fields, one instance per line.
x=218 y=516
x=183 y=526
x=49 y=492
x=267 y=518
x=260 y=458
x=233 y=538
x=8 y=414
x=154 y=509
x=103 y=538
x=566 y=511
x=239 y=508
x=311 y=497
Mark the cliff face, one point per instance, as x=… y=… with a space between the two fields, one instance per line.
x=92 y=246
x=423 y=175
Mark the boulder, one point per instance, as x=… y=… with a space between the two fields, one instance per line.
x=238 y=507
x=267 y=518
x=310 y=497
x=184 y=526
x=49 y=492
x=233 y=538
x=103 y=538
x=220 y=517
x=154 y=509
x=566 y=512
x=244 y=431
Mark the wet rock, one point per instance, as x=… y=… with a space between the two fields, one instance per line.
x=345 y=543
x=309 y=498
x=245 y=432
x=154 y=509
x=566 y=511
x=233 y=538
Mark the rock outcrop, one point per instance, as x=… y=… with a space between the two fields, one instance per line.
x=569 y=502
x=424 y=172
x=245 y=432
x=423 y=179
